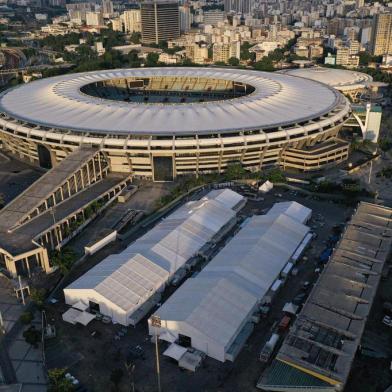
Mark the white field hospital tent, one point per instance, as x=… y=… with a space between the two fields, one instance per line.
x=293 y=209
x=214 y=308
x=266 y=187
x=123 y=286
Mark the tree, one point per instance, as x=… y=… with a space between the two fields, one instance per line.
x=58 y=382
x=63 y=259
x=245 y=54
x=233 y=61
x=136 y=37
x=116 y=376
x=234 y=171
x=133 y=59
x=152 y=59
x=32 y=336
x=26 y=318
x=38 y=296
x=265 y=64
x=276 y=176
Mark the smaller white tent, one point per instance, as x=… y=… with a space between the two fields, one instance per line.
x=84 y=318
x=266 y=187
x=175 y=351
x=292 y=209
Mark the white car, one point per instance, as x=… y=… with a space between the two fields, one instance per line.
x=387 y=321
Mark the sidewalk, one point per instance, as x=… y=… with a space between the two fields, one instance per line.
x=19 y=361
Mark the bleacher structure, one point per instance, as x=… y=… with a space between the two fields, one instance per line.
x=48 y=213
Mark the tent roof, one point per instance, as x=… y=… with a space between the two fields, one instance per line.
x=214 y=306
x=293 y=209
x=128 y=279
x=84 y=318
x=217 y=301
x=175 y=351
x=80 y=305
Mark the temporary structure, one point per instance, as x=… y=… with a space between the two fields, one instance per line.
x=266 y=187
x=125 y=286
x=214 y=309
x=175 y=351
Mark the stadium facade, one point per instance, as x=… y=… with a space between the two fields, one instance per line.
x=160 y=123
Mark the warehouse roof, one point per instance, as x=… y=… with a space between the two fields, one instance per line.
x=341 y=79
x=277 y=100
x=325 y=337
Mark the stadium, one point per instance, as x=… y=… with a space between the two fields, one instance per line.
x=160 y=123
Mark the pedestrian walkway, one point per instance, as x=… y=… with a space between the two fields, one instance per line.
x=20 y=363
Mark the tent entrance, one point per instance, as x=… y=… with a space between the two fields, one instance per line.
x=94 y=307
x=184 y=341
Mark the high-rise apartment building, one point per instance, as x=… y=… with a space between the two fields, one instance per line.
x=197 y=52
x=132 y=21
x=239 y=6
x=107 y=8
x=381 y=42
x=185 y=18
x=94 y=19
x=160 y=20
x=222 y=52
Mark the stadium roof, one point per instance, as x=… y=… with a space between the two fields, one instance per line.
x=278 y=100
x=341 y=79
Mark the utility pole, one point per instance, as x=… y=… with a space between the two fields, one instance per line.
x=156 y=322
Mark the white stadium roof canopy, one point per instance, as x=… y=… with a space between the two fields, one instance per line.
x=278 y=100
x=341 y=79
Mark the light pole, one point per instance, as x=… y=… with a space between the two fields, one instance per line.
x=156 y=322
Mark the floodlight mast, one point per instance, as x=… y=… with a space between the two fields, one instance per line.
x=156 y=322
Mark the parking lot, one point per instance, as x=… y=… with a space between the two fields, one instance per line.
x=91 y=353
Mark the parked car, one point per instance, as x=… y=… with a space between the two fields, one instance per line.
x=284 y=323
x=387 y=321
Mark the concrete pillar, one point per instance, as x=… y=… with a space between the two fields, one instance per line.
x=11 y=267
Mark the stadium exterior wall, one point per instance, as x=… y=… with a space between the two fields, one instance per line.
x=194 y=154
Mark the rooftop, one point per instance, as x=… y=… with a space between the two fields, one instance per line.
x=278 y=100
x=325 y=337
x=341 y=79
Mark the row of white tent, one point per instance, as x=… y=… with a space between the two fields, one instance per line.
x=212 y=309
x=125 y=286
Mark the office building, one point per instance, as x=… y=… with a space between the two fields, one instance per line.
x=160 y=21
x=382 y=35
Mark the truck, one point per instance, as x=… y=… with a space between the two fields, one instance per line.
x=268 y=349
